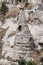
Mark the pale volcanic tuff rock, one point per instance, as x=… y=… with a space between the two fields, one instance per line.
x=23 y=40
x=29 y=1
x=14 y=50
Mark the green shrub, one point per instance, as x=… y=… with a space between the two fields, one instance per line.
x=42 y=49
x=21 y=62
x=42 y=63
x=41 y=59
x=26 y=4
x=3 y=8
x=31 y=63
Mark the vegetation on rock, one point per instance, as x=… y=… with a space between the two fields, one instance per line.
x=3 y=11
x=3 y=8
x=26 y=4
x=42 y=63
x=21 y=62
x=31 y=63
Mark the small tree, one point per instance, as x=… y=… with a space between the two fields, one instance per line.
x=3 y=10
x=26 y=4
x=31 y=63
x=22 y=62
x=41 y=60
x=42 y=63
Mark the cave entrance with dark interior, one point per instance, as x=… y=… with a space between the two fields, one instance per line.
x=20 y=0
x=41 y=44
x=19 y=28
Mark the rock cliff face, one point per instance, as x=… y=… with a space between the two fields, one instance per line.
x=29 y=1
x=16 y=34
x=23 y=40
x=35 y=1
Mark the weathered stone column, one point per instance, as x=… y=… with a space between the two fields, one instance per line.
x=23 y=40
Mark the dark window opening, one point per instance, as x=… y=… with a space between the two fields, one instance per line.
x=41 y=44
x=31 y=39
x=19 y=0
x=32 y=44
x=19 y=28
x=7 y=2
